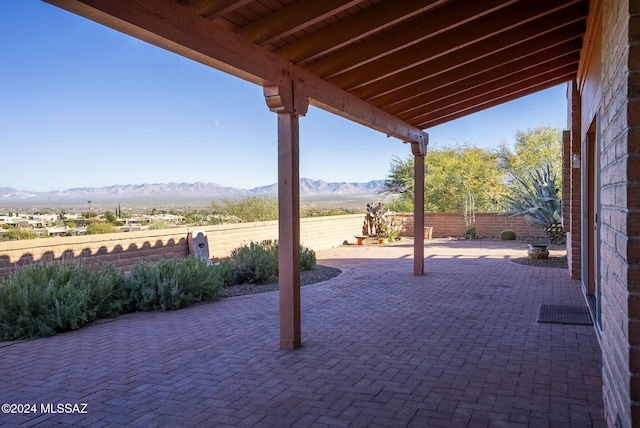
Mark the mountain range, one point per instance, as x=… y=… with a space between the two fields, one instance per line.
x=308 y=187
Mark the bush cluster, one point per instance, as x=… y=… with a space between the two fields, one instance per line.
x=257 y=263
x=508 y=235
x=171 y=284
x=41 y=300
x=253 y=208
x=16 y=234
x=97 y=227
x=44 y=299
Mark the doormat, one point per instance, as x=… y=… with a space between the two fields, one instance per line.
x=564 y=314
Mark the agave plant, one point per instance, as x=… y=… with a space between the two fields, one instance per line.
x=536 y=198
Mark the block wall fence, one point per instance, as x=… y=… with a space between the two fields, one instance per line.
x=123 y=250
x=488 y=225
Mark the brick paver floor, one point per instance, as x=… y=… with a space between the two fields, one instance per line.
x=459 y=346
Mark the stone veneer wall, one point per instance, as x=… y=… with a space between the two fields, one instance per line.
x=620 y=212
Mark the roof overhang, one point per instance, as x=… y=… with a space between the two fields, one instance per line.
x=397 y=67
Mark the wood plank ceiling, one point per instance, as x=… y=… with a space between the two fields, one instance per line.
x=425 y=62
x=416 y=62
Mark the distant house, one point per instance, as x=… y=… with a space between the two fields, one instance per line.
x=81 y=222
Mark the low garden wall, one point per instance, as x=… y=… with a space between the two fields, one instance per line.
x=487 y=225
x=123 y=250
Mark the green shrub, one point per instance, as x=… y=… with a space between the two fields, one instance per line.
x=508 y=235
x=319 y=212
x=257 y=263
x=399 y=206
x=157 y=225
x=99 y=227
x=17 y=234
x=172 y=284
x=41 y=300
x=307 y=258
x=225 y=273
x=253 y=208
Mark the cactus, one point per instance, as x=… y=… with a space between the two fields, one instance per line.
x=508 y=235
x=536 y=198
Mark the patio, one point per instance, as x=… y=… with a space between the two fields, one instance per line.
x=459 y=346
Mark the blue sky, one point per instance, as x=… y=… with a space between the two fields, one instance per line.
x=82 y=105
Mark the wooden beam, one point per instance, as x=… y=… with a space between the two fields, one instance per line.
x=503 y=47
x=174 y=27
x=291 y=18
x=213 y=8
x=493 y=89
x=491 y=100
x=289 y=231
x=481 y=30
x=497 y=65
x=592 y=33
x=493 y=79
x=419 y=151
x=409 y=33
x=354 y=28
x=288 y=104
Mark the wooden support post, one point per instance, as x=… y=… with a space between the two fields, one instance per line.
x=418 y=150
x=282 y=100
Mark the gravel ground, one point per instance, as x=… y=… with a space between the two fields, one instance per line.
x=557 y=258
x=559 y=262
x=319 y=274
x=557 y=255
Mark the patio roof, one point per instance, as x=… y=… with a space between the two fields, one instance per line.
x=398 y=67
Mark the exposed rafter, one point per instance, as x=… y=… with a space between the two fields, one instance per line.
x=444 y=100
x=450 y=41
x=403 y=36
x=489 y=100
x=401 y=99
x=485 y=79
x=355 y=28
x=214 y=8
x=291 y=18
